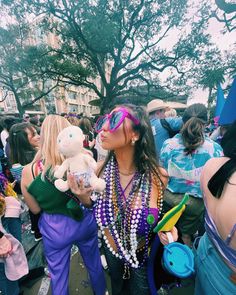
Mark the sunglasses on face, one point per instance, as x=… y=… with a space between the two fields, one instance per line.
x=115 y=119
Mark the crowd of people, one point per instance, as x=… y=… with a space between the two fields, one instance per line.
x=149 y=158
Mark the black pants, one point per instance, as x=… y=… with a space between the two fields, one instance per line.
x=34 y=219
x=137 y=284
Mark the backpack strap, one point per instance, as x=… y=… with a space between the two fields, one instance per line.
x=166 y=125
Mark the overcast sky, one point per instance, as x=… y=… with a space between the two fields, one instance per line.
x=225 y=41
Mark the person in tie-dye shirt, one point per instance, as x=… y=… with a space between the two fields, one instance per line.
x=184 y=156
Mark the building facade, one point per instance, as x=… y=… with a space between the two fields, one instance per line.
x=60 y=99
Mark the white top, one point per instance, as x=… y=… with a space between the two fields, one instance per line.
x=4 y=136
x=13 y=207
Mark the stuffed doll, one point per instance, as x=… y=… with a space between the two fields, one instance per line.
x=78 y=160
x=15 y=263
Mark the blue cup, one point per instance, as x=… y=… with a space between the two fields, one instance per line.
x=178 y=260
x=16 y=171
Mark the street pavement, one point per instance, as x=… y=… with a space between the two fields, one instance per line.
x=79 y=282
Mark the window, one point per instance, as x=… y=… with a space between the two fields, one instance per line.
x=83 y=99
x=10 y=102
x=72 y=95
x=73 y=108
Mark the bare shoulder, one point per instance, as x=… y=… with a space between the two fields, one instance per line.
x=163 y=175
x=26 y=170
x=155 y=191
x=99 y=167
x=210 y=169
x=27 y=176
x=214 y=164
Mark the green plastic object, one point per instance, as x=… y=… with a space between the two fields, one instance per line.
x=150 y=219
x=172 y=216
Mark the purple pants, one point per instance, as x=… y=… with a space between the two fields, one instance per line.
x=59 y=234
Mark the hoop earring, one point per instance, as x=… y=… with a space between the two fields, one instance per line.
x=133 y=141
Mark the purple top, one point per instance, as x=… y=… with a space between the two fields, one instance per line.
x=143 y=220
x=154 y=212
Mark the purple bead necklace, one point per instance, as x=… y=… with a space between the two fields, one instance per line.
x=124 y=215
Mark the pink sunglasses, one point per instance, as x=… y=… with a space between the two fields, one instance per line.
x=115 y=119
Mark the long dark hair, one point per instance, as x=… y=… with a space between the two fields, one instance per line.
x=194 y=118
x=145 y=157
x=217 y=182
x=21 y=150
x=86 y=125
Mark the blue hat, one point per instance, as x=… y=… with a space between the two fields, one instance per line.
x=228 y=114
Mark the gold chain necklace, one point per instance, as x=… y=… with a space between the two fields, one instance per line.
x=127 y=174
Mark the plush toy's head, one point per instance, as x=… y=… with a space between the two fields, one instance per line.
x=70 y=141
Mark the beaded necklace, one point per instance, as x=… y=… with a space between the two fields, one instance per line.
x=123 y=216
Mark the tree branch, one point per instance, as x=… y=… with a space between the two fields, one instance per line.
x=226 y=7
x=5 y=95
x=39 y=97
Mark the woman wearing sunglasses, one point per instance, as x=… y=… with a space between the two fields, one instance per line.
x=129 y=207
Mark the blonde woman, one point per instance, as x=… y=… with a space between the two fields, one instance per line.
x=60 y=226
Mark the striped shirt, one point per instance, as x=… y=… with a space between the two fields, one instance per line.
x=221 y=245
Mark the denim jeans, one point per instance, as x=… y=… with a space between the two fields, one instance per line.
x=137 y=284
x=13 y=226
x=7 y=287
x=212 y=273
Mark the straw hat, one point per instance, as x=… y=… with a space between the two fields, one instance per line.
x=156 y=104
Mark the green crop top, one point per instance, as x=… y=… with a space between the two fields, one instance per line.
x=53 y=201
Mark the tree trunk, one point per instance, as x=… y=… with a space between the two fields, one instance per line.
x=209 y=103
x=105 y=104
x=18 y=103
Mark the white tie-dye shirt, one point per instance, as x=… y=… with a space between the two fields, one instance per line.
x=185 y=170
